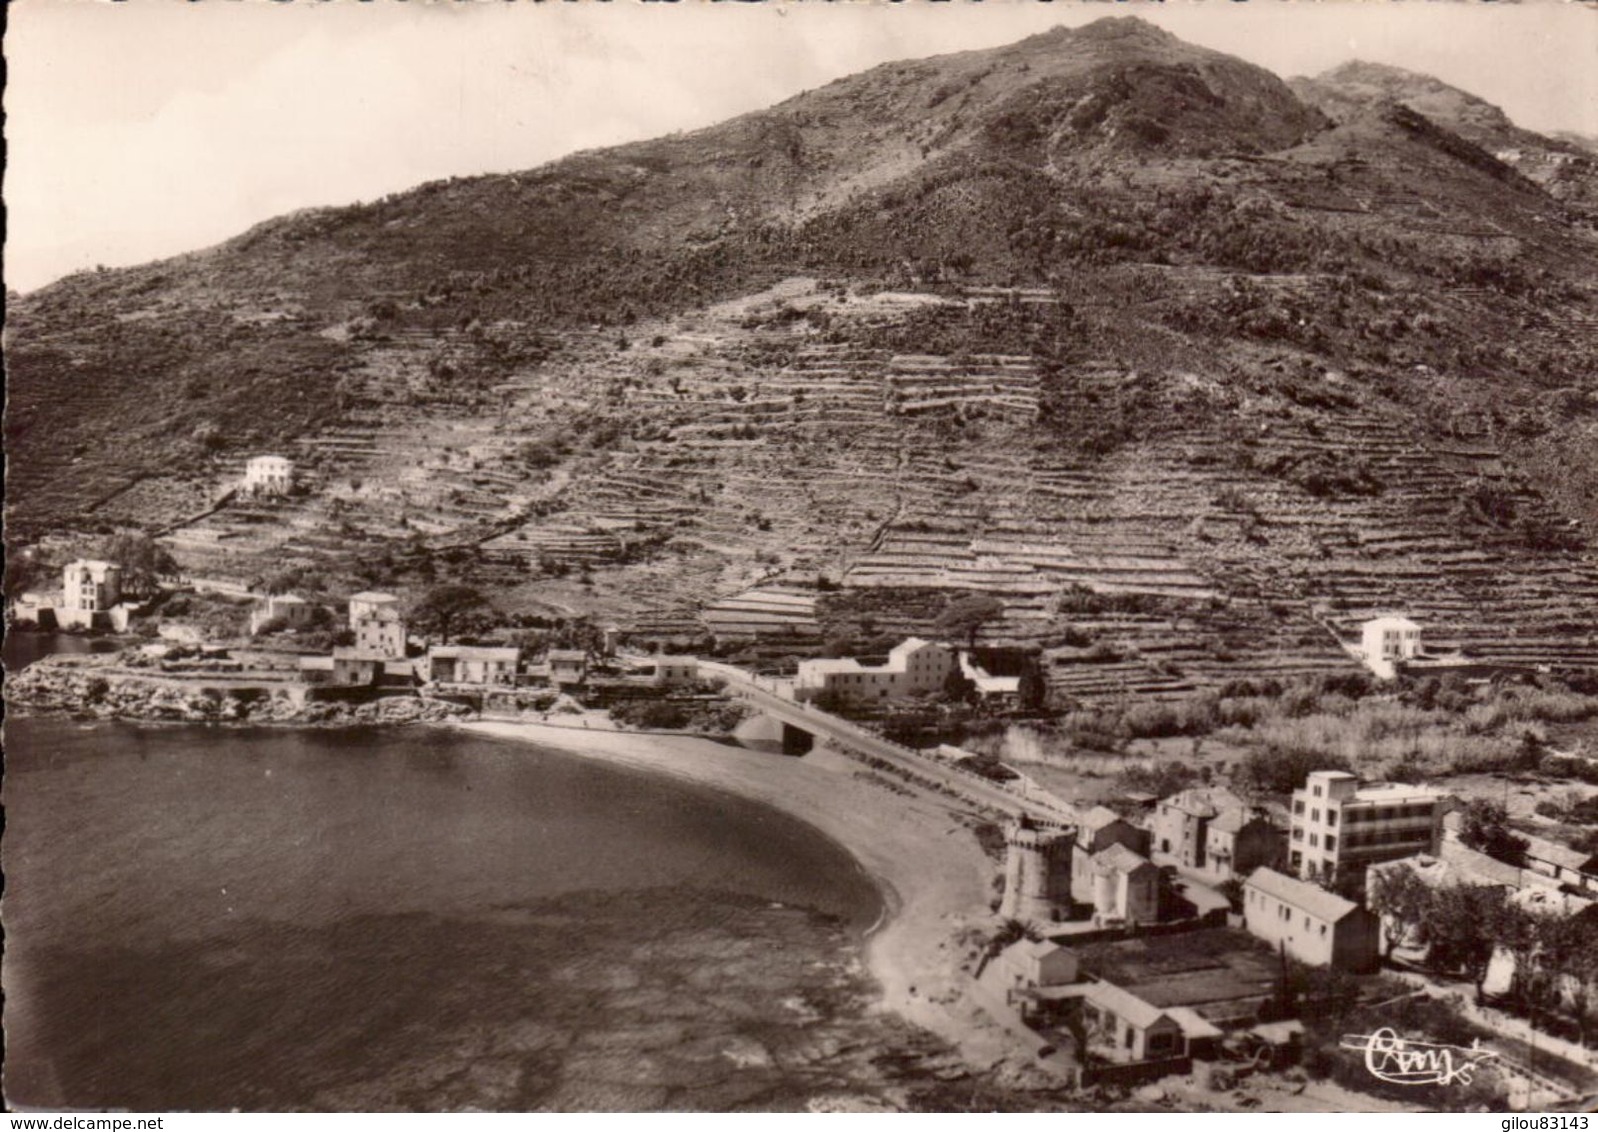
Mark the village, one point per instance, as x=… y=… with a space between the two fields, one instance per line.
x=1206 y=933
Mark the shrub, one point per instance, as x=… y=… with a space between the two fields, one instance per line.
x=655 y=715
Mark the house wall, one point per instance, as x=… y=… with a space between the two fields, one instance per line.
x=1239 y=854
x=1175 y=833
x=486 y=672
x=89 y=589
x=268 y=474
x=1356 y=942
x=1055 y=969
x=1140 y=895
x=381 y=635
x=354 y=672
x=1278 y=923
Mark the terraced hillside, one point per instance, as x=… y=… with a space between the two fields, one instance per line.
x=1306 y=357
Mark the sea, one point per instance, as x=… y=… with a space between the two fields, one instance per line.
x=206 y=918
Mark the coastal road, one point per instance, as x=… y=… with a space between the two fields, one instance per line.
x=773 y=698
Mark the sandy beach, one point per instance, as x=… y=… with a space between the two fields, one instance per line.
x=934 y=877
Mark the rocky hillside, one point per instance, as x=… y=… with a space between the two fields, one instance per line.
x=1185 y=364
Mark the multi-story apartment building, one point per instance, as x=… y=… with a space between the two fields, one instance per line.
x=1340 y=827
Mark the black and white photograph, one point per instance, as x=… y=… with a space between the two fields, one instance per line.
x=801 y=557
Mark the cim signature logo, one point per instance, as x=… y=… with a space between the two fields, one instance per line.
x=1403 y=1061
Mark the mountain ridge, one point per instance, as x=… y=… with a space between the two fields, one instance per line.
x=1063 y=257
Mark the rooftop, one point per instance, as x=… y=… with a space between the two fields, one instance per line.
x=1394 y=793
x=1099 y=817
x=474 y=652
x=1564 y=856
x=1123 y=1004
x=1118 y=858
x=1038 y=948
x=372 y=596
x=1204 y=801
x=1306 y=897
x=1235 y=819
x=1392 y=621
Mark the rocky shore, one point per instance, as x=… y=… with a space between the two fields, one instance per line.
x=99 y=687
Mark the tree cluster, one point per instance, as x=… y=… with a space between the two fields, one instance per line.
x=1463 y=926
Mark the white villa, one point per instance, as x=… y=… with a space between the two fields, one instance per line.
x=368 y=603
x=915 y=667
x=472 y=664
x=90 y=586
x=1386 y=641
x=268 y=475
x=291 y=609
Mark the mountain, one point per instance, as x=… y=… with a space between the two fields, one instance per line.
x=1562 y=166
x=1136 y=336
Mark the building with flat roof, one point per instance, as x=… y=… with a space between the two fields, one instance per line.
x=1340 y=827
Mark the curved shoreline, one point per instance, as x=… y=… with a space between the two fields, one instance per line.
x=933 y=877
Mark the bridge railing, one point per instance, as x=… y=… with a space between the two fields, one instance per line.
x=866 y=737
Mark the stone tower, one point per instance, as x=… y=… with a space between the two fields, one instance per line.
x=1037 y=873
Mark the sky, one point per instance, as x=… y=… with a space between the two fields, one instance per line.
x=144 y=129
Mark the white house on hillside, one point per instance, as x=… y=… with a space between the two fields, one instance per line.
x=90 y=586
x=91 y=591
x=1386 y=641
x=291 y=609
x=915 y=667
x=268 y=475
x=368 y=604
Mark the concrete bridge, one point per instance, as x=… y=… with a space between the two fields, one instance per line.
x=804 y=723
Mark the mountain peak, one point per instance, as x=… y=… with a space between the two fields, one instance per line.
x=1360 y=83
x=1123 y=28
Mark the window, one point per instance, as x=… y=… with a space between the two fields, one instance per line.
x=1314 y=815
x=1323 y=929
x=1314 y=841
x=1317 y=791
x=1331 y=817
x=1298 y=805
x=1331 y=843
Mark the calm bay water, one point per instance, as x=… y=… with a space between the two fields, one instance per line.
x=210 y=918
x=22 y=649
